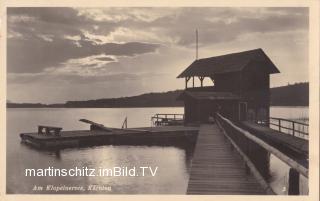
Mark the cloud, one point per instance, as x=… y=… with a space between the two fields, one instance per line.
x=46 y=37
x=41 y=38
x=106 y=59
x=35 y=55
x=218 y=25
x=52 y=15
x=63 y=47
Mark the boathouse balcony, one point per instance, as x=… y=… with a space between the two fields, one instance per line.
x=206 y=88
x=200 y=83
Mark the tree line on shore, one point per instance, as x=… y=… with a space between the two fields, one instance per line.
x=291 y=95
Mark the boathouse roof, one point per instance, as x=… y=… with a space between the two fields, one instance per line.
x=208 y=95
x=229 y=63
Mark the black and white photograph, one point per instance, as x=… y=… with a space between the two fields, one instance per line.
x=158 y=100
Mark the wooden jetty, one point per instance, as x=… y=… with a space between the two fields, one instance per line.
x=101 y=135
x=296 y=148
x=230 y=160
x=217 y=169
x=256 y=153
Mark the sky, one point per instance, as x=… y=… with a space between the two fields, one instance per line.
x=60 y=54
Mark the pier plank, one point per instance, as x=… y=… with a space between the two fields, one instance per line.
x=216 y=169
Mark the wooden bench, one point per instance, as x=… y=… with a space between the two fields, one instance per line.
x=49 y=130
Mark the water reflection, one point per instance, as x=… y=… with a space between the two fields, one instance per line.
x=172 y=174
x=173 y=162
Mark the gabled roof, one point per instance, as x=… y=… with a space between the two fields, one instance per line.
x=228 y=63
x=208 y=95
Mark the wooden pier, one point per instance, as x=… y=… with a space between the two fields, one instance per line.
x=101 y=135
x=256 y=150
x=295 y=147
x=217 y=169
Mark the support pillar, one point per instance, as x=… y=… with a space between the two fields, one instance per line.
x=293 y=182
x=201 y=81
x=187 y=79
x=193 y=82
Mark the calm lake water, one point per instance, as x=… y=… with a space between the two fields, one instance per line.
x=173 y=163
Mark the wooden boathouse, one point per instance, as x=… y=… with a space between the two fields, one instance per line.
x=232 y=156
x=239 y=91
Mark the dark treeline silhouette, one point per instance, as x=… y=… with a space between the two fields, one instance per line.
x=167 y=99
x=291 y=95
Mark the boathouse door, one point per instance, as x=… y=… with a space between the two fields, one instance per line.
x=242 y=111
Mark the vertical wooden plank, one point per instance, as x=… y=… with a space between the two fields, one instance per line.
x=293 y=128
x=293 y=182
x=279 y=125
x=193 y=82
x=186 y=82
x=39 y=129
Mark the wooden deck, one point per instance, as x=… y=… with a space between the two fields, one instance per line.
x=148 y=135
x=295 y=147
x=216 y=169
x=114 y=131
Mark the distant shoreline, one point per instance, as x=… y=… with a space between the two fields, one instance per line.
x=290 y=95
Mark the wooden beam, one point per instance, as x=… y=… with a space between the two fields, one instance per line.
x=201 y=80
x=96 y=126
x=193 y=81
x=293 y=182
x=187 y=79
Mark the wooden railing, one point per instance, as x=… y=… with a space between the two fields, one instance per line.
x=250 y=148
x=167 y=119
x=49 y=130
x=294 y=128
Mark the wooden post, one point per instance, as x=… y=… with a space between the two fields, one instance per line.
x=125 y=123
x=279 y=125
x=201 y=81
x=186 y=82
x=39 y=129
x=193 y=82
x=293 y=128
x=293 y=182
x=157 y=121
